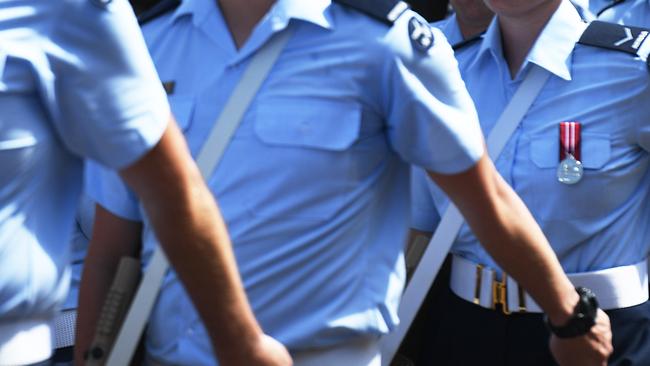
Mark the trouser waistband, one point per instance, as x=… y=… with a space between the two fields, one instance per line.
x=356 y=352
x=64 y=328
x=616 y=288
x=361 y=352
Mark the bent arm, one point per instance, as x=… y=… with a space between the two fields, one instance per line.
x=193 y=235
x=113 y=238
x=507 y=230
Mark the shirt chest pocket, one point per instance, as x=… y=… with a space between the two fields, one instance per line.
x=311 y=124
x=553 y=200
x=306 y=157
x=595 y=151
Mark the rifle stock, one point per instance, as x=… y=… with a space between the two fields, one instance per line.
x=114 y=310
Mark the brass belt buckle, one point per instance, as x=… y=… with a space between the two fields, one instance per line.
x=522 y=299
x=500 y=293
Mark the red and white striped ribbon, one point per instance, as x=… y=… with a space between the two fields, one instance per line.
x=570 y=140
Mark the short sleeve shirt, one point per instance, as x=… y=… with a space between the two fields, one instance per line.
x=314 y=183
x=600 y=222
x=75 y=82
x=629 y=12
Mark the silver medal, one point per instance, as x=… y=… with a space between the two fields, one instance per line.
x=569 y=171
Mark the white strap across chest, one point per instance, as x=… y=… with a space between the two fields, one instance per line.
x=207 y=161
x=452 y=220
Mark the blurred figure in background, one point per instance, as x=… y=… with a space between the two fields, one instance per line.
x=64 y=323
x=76 y=82
x=431 y=10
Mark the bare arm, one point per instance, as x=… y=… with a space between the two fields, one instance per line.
x=112 y=239
x=193 y=235
x=507 y=230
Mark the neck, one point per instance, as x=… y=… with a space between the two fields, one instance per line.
x=242 y=17
x=519 y=33
x=469 y=30
x=470 y=27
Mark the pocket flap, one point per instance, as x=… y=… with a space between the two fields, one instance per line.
x=329 y=125
x=596 y=150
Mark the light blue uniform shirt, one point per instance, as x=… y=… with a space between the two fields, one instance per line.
x=589 y=9
x=81 y=233
x=314 y=185
x=602 y=221
x=75 y=81
x=630 y=12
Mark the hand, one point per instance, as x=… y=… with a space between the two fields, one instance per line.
x=266 y=351
x=590 y=349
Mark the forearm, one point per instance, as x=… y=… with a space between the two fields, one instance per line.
x=112 y=239
x=212 y=282
x=190 y=230
x=505 y=227
x=529 y=258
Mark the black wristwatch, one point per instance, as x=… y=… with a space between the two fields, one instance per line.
x=584 y=316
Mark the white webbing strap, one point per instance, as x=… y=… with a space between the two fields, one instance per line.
x=452 y=220
x=207 y=160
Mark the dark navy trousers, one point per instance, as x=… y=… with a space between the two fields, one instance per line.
x=464 y=334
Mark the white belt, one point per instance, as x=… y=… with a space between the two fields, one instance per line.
x=25 y=342
x=363 y=352
x=615 y=288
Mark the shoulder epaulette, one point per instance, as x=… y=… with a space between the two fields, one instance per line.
x=613 y=4
x=386 y=11
x=632 y=40
x=157 y=10
x=466 y=42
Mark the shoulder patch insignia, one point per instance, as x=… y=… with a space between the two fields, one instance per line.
x=632 y=40
x=420 y=34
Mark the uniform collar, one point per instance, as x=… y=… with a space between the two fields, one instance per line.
x=451 y=30
x=554 y=46
x=586 y=8
x=197 y=9
x=313 y=11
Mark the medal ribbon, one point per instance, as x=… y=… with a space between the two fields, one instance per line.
x=569 y=140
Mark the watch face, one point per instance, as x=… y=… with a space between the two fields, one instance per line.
x=588 y=303
x=584 y=316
